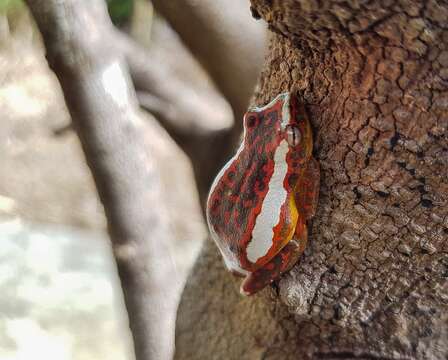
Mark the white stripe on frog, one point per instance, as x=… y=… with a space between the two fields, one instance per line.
x=269 y=217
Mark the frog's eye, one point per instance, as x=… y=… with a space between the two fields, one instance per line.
x=293 y=135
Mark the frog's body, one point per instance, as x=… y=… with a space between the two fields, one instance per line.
x=259 y=202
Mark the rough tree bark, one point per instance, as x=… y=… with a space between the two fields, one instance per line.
x=105 y=113
x=373 y=282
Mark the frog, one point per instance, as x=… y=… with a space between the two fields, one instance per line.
x=260 y=202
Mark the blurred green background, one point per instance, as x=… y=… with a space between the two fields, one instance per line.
x=120 y=10
x=6 y=5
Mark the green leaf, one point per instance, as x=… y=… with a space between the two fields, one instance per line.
x=6 y=5
x=119 y=10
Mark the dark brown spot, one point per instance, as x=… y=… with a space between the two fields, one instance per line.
x=357 y=193
x=382 y=194
x=231 y=175
x=337 y=312
x=292 y=179
x=251 y=121
x=421 y=189
x=255 y=13
x=394 y=140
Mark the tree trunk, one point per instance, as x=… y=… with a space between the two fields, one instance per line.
x=372 y=283
x=104 y=110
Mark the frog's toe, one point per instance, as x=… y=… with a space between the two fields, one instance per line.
x=243 y=291
x=261 y=278
x=269 y=272
x=255 y=282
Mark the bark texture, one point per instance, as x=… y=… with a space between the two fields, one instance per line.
x=372 y=283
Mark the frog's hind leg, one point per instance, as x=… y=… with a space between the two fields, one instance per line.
x=279 y=264
x=307 y=193
x=306 y=201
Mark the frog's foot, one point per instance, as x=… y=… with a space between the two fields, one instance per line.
x=279 y=264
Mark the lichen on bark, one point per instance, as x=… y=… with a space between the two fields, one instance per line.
x=372 y=283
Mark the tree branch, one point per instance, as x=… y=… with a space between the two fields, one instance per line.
x=230 y=46
x=180 y=107
x=104 y=112
x=226 y=41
